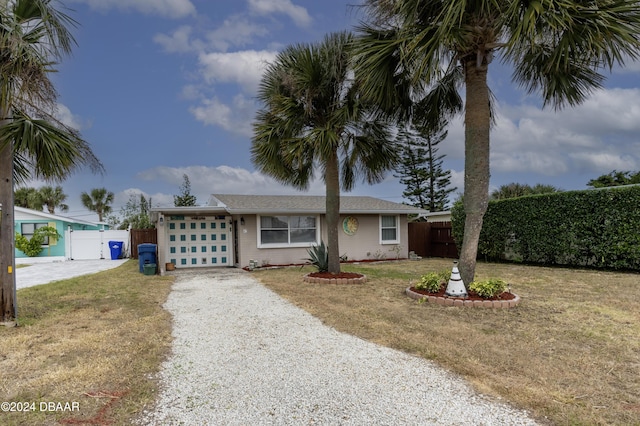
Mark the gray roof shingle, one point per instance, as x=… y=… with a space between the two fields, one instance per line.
x=236 y=204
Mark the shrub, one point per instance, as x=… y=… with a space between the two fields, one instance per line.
x=32 y=247
x=319 y=257
x=433 y=281
x=593 y=228
x=488 y=288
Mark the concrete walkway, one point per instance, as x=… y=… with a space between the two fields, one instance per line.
x=43 y=273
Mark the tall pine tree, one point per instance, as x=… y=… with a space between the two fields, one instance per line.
x=185 y=199
x=420 y=169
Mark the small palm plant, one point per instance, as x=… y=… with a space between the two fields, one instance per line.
x=319 y=257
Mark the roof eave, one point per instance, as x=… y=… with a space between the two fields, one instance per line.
x=319 y=211
x=188 y=210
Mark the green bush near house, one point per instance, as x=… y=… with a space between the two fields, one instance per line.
x=33 y=246
x=592 y=228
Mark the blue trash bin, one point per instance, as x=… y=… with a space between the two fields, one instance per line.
x=146 y=254
x=116 y=249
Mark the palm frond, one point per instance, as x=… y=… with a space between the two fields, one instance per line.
x=45 y=151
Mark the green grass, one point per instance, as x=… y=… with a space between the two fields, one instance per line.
x=95 y=340
x=569 y=353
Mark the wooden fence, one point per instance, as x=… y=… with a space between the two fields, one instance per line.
x=432 y=239
x=142 y=236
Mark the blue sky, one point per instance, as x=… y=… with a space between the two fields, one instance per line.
x=160 y=88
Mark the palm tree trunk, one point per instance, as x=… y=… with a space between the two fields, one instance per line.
x=7 y=236
x=332 y=181
x=476 y=165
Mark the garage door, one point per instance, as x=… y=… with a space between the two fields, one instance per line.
x=199 y=241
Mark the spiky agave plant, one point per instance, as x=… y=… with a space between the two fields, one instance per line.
x=319 y=257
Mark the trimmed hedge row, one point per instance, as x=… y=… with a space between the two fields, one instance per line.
x=595 y=228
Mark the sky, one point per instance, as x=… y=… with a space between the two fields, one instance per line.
x=163 y=88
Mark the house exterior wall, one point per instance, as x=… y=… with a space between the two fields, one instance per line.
x=248 y=247
x=365 y=243
x=362 y=245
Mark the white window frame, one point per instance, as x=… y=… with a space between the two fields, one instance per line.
x=397 y=228
x=289 y=244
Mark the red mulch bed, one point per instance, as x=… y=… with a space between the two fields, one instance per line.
x=472 y=295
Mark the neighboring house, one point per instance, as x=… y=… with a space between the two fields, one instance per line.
x=67 y=247
x=233 y=230
x=443 y=216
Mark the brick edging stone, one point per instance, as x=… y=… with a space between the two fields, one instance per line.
x=455 y=301
x=316 y=280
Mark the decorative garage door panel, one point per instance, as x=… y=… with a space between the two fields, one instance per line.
x=199 y=241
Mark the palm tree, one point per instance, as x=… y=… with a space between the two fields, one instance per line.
x=313 y=120
x=98 y=201
x=33 y=144
x=424 y=51
x=28 y=198
x=52 y=198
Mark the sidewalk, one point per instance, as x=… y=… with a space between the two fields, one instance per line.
x=43 y=273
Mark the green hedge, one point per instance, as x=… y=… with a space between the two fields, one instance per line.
x=595 y=228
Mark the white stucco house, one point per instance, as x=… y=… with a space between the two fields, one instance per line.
x=232 y=230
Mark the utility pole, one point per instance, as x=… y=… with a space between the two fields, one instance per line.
x=7 y=238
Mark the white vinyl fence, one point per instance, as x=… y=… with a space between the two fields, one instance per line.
x=93 y=245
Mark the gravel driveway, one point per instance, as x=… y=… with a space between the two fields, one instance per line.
x=244 y=356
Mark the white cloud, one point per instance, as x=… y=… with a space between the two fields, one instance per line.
x=166 y=8
x=234 y=31
x=298 y=14
x=604 y=161
x=221 y=179
x=595 y=137
x=64 y=114
x=179 y=41
x=158 y=199
x=244 y=68
x=235 y=118
x=630 y=66
x=553 y=146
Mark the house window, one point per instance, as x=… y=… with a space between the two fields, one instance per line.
x=286 y=231
x=28 y=229
x=389 y=233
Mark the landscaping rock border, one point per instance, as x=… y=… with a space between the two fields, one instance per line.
x=337 y=281
x=457 y=301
